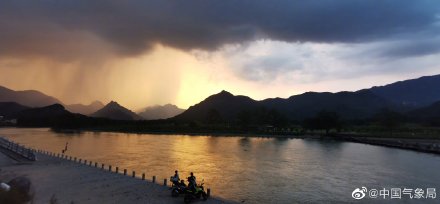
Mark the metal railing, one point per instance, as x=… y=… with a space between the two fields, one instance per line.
x=29 y=154
x=20 y=150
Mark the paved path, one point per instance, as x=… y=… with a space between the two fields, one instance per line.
x=70 y=182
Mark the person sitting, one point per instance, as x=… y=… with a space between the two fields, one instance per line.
x=192 y=184
x=175 y=179
x=182 y=183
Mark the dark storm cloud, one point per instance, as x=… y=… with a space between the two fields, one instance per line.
x=52 y=27
x=415 y=48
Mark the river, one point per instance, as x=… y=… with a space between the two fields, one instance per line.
x=251 y=169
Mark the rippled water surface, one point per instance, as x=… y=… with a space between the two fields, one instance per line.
x=253 y=170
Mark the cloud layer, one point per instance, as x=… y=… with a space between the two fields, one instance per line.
x=48 y=27
x=173 y=51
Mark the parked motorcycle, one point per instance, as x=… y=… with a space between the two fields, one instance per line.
x=197 y=193
x=178 y=188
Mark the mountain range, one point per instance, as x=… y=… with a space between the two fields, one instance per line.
x=414 y=92
x=349 y=105
x=12 y=101
x=30 y=98
x=400 y=96
x=160 y=112
x=417 y=98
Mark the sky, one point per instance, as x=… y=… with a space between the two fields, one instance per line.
x=141 y=53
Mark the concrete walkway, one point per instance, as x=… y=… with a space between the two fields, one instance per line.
x=70 y=182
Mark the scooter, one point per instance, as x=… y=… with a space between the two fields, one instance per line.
x=177 y=188
x=192 y=194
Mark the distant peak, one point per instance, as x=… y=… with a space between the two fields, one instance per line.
x=169 y=105
x=113 y=104
x=224 y=93
x=56 y=106
x=99 y=103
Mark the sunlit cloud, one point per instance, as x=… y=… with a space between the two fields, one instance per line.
x=142 y=53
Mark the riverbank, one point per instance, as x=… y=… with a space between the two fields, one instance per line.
x=415 y=143
x=193 y=133
x=62 y=181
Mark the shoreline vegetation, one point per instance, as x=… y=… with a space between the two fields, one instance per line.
x=429 y=143
x=388 y=131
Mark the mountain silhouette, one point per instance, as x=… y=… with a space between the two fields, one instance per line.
x=400 y=96
x=414 y=92
x=10 y=110
x=160 y=112
x=48 y=116
x=226 y=105
x=350 y=105
x=417 y=98
x=30 y=98
x=116 y=112
x=85 y=109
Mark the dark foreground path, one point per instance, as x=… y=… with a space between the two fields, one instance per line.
x=69 y=182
